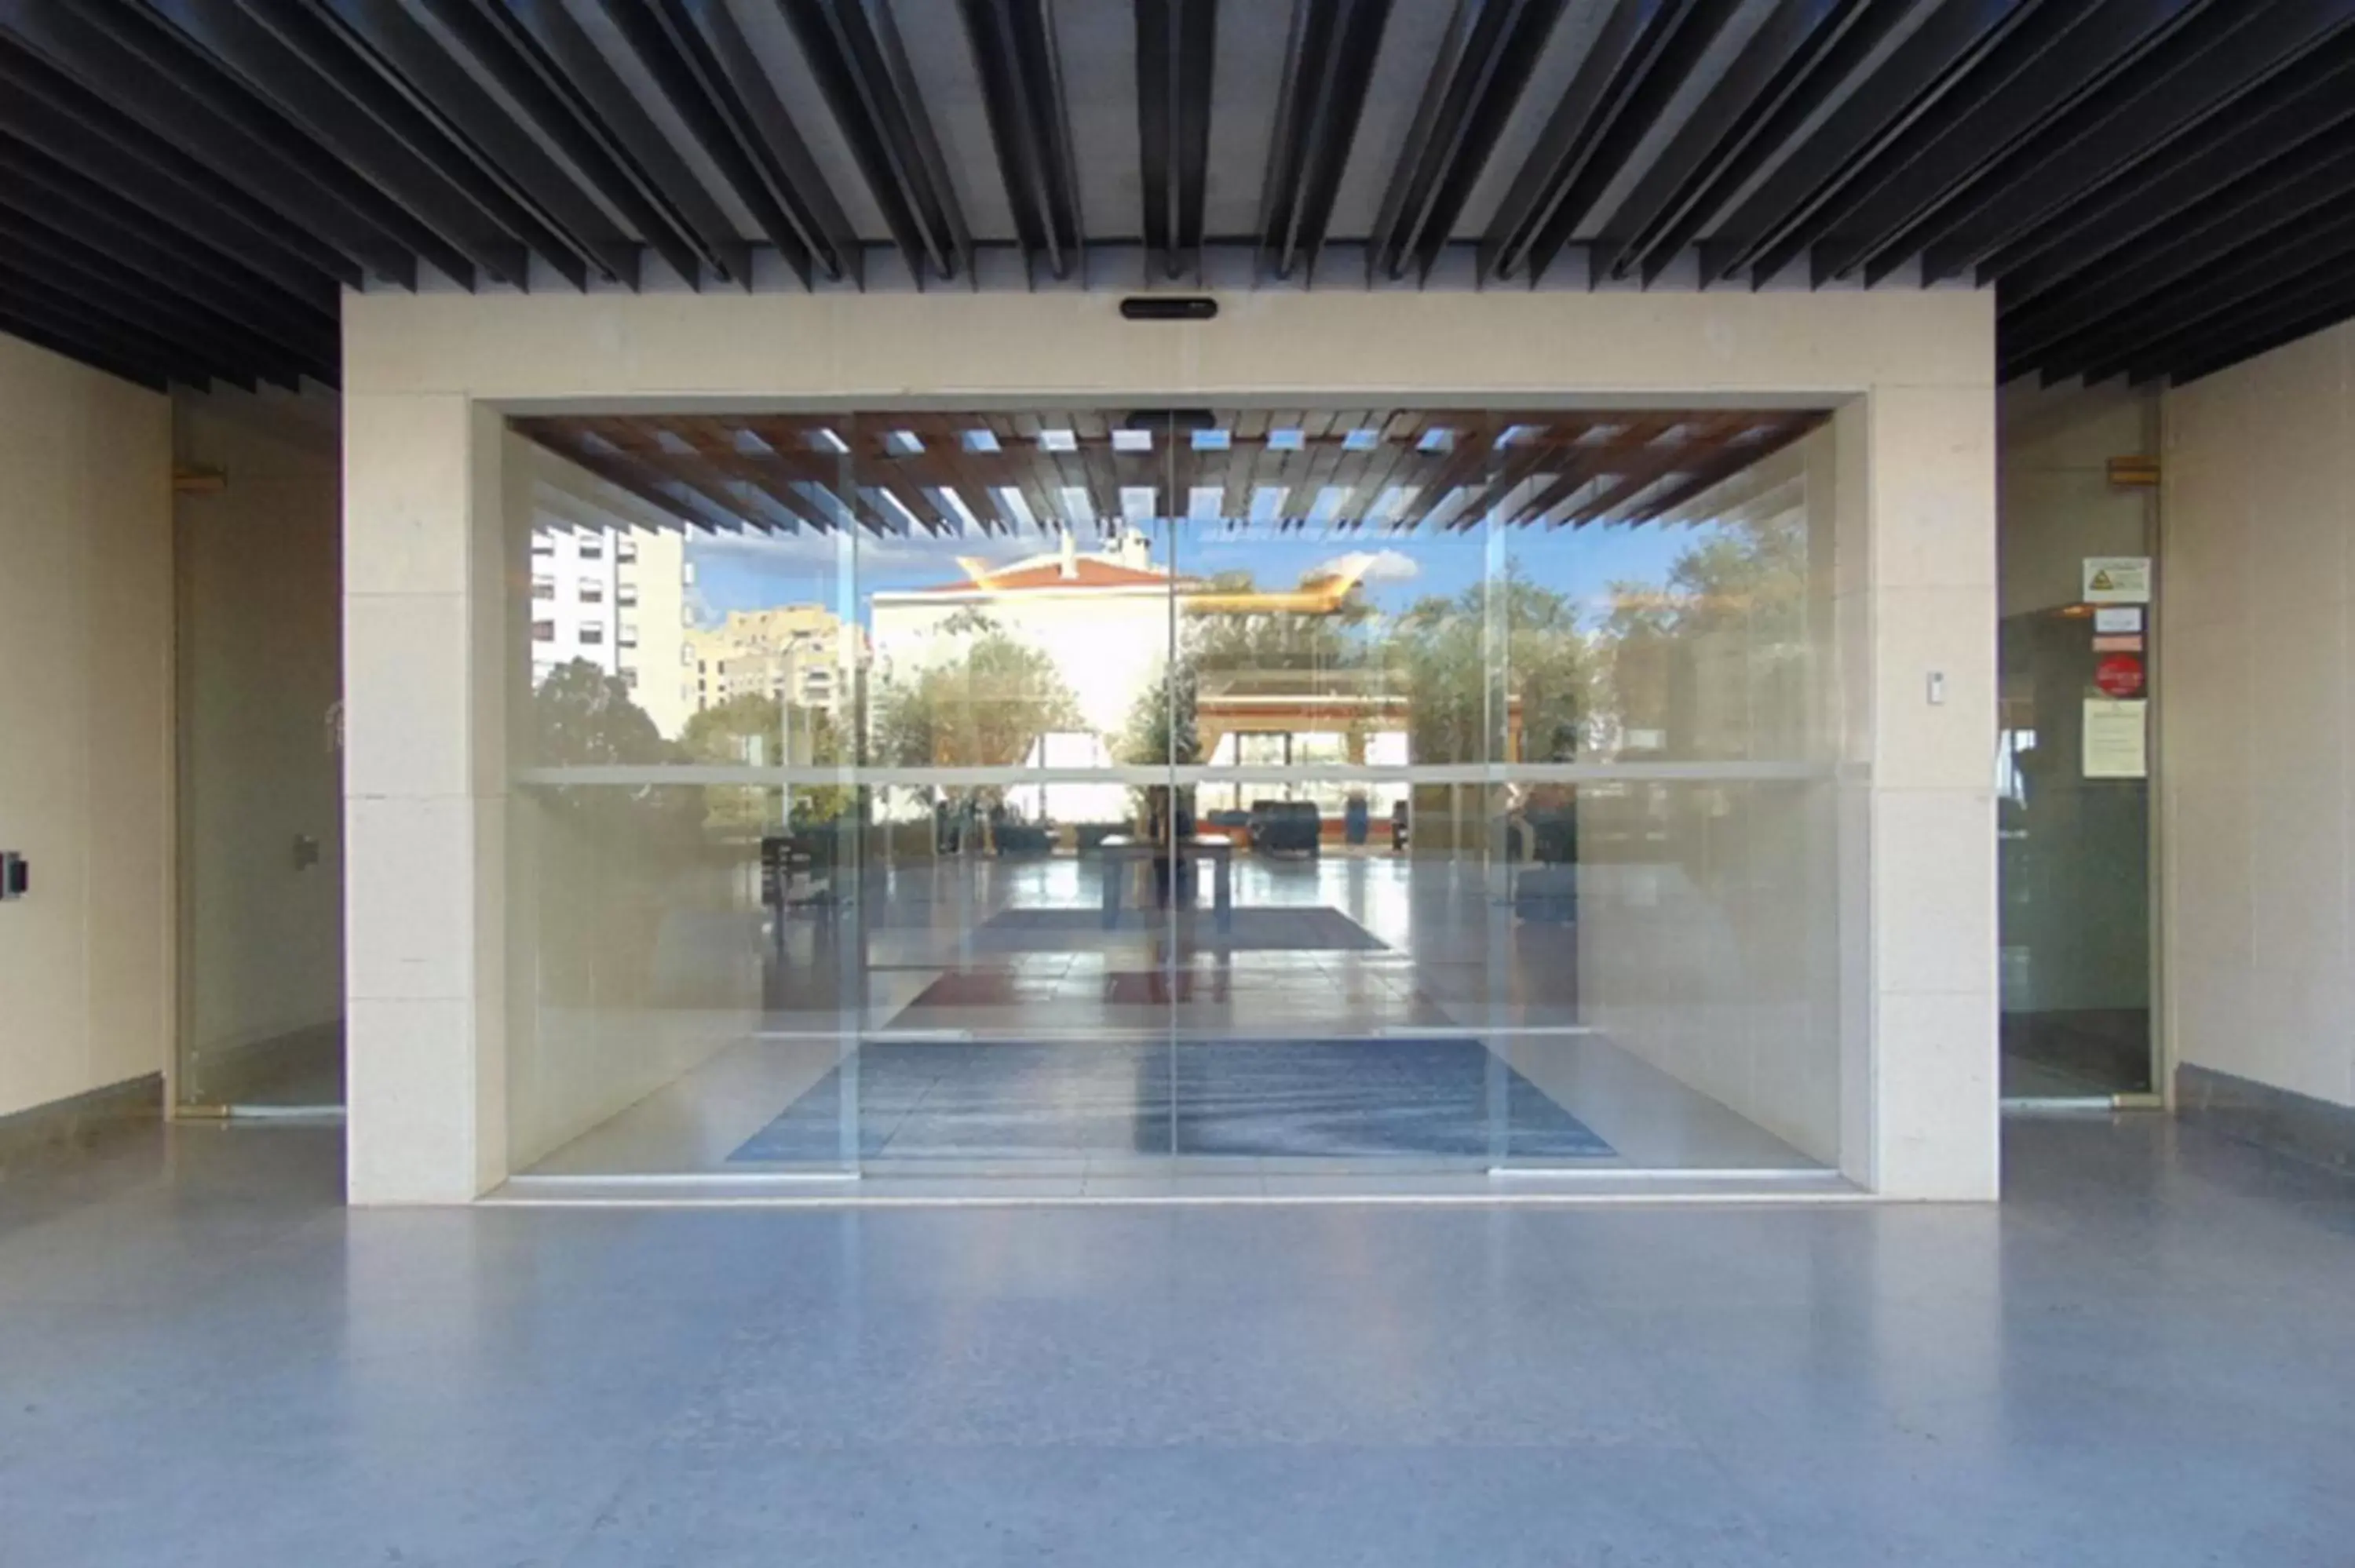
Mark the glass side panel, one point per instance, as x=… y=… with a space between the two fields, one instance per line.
x=2073 y=787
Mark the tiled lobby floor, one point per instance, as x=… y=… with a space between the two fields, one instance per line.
x=1387 y=949
x=2142 y=1359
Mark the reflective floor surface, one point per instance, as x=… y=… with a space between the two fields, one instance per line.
x=2144 y=1358
x=1380 y=955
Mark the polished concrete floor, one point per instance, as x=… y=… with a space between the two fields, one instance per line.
x=2144 y=1357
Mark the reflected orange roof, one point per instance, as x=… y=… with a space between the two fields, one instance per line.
x=1087 y=572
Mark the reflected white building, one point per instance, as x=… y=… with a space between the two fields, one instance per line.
x=1102 y=617
x=615 y=597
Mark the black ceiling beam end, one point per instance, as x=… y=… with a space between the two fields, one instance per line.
x=127 y=64
x=582 y=87
x=2196 y=75
x=1328 y=66
x=703 y=66
x=2320 y=252
x=2050 y=73
x=1013 y=49
x=1177 y=43
x=1787 y=209
x=411 y=63
x=1482 y=66
x=50 y=200
x=1642 y=55
x=170 y=307
x=491 y=40
x=2300 y=115
x=2250 y=338
x=301 y=66
x=1786 y=73
x=2268 y=210
x=71 y=314
x=853 y=50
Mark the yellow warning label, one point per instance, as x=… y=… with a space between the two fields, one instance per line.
x=2117 y=579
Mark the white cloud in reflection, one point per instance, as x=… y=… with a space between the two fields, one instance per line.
x=1375 y=566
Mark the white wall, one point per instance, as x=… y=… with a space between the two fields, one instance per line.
x=259 y=614
x=1910 y=372
x=2256 y=697
x=86 y=787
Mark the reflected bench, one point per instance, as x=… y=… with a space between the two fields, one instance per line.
x=1121 y=851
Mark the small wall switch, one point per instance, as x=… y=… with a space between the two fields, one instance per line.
x=1937 y=688
x=16 y=875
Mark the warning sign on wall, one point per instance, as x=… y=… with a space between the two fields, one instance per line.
x=2119 y=674
x=2117 y=579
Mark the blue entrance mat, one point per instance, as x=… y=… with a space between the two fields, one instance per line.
x=1353 y=1099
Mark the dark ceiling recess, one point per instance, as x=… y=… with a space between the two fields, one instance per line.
x=2154 y=188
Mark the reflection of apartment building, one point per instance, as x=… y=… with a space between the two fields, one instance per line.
x=803 y=655
x=616 y=598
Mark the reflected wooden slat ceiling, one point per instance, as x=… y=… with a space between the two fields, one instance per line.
x=1383 y=469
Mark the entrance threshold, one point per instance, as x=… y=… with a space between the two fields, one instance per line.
x=1514 y=1188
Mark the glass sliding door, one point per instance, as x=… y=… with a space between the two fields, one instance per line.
x=1104 y=794
x=1017 y=946
x=1337 y=680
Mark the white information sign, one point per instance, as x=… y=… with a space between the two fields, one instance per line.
x=2117 y=739
x=2117 y=620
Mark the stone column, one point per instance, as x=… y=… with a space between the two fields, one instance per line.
x=424 y=796
x=1917 y=613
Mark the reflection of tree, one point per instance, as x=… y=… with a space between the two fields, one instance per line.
x=607 y=860
x=585 y=718
x=1163 y=723
x=757 y=729
x=1694 y=657
x=1440 y=652
x=1281 y=640
x=985 y=709
x=1262 y=652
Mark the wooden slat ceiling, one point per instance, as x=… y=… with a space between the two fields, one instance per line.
x=1387 y=469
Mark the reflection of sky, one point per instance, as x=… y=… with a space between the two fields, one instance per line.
x=752 y=572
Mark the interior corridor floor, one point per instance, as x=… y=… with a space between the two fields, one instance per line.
x=2144 y=1357
x=1368 y=1023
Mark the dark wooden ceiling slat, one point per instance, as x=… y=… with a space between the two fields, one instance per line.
x=1598 y=465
